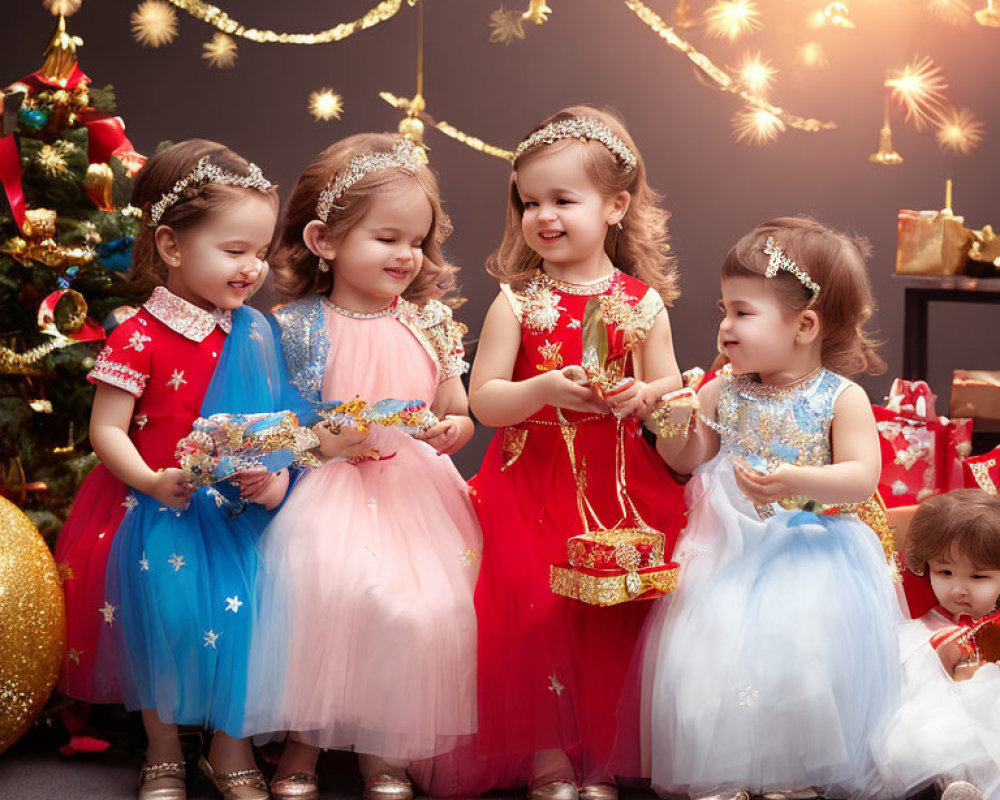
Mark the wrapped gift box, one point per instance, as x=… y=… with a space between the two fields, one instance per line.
x=921 y=452
x=975 y=394
x=609 y=587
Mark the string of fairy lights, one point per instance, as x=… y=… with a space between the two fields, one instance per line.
x=917 y=90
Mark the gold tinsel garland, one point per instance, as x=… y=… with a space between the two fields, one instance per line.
x=447 y=128
x=219 y=19
x=722 y=79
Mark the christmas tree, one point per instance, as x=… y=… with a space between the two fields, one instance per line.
x=66 y=233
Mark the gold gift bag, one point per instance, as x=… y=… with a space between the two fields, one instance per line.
x=975 y=394
x=931 y=242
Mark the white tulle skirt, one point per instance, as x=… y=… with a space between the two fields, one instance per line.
x=776 y=661
x=943 y=728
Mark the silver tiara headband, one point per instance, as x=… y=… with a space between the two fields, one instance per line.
x=780 y=261
x=206 y=172
x=585 y=130
x=406 y=156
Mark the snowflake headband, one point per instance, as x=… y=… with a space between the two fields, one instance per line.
x=406 y=156
x=780 y=261
x=206 y=172
x=584 y=130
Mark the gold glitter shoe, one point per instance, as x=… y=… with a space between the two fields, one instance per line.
x=598 y=791
x=556 y=790
x=961 y=790
x=169 y=779
x=385 y=787
x=297 y=786
x=242 y=784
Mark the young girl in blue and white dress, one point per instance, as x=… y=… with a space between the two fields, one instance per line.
x=771 y=667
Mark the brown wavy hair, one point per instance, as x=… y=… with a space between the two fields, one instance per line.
x=156 y=178
x=641 y=247
x=967 y=520
x=296 y=266
x=834 y=260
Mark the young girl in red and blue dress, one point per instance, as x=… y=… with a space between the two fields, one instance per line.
x=160 y=577
x=582 y=223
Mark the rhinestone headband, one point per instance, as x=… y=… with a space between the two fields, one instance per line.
x=584 y=130
x=780 y=261
x=406 y=156
x=207 y=172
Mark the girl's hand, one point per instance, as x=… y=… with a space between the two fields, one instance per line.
x=770 y=488
x=637 y=399
x=561 y=387
x=335 y=442
x=171 y=487
x=449 y=435
x=263 y=487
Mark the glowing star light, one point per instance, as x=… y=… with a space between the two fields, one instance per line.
x=811 y=54
x=732 y=18
x=919 y=88
x=325 y=104
x=63 y=8
x=960 y=132
x=154 y=23
x=220 y=51
x=756 y=74
x=953 y=12
x=838 y=15
x=757 y=126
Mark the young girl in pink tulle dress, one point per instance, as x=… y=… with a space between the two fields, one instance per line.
x=367 y=634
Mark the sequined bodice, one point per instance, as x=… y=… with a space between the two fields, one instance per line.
x=762 y=426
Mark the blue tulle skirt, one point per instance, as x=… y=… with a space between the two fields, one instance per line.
x=775 y=662
x=181 y=583
x=184 y=587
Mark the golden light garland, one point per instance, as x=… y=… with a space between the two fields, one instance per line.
x=953 y=12
x=448 y=129
x=154 y=23
x=724 y=81
x=756 y=74
x=14 y=363
x=838 y=15
x=219 y=19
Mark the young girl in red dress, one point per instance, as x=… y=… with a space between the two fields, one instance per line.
x=582 y=223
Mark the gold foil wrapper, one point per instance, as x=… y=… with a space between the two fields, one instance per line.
x=931 y=243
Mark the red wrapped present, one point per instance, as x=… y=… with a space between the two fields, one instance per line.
x=921 y=452
x=983 y=472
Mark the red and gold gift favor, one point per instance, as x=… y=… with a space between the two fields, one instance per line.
x=983 y=472
x=921 y=452
x=975 y=394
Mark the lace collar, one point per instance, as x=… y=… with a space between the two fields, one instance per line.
x=186 y=318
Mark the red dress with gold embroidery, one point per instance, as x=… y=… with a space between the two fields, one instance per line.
x=551 y=669
x=165 y=356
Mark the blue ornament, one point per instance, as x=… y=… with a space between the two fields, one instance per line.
x=116 y=255
x=34 y=118
x=62 y=283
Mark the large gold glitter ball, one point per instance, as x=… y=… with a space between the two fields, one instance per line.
x=32 y=623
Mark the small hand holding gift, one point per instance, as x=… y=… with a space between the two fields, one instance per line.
x=224 y=445
x=343 y=427
x=676 y=414
x=964 y=648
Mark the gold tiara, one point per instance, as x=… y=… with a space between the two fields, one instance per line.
x=780 y=261
x=584 y=129
x=206 y=172
x=406 y=156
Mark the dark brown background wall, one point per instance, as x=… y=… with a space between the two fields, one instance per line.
x=592 y=51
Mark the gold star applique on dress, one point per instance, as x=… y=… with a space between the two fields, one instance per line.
x=177 y=379
x=108 y=612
